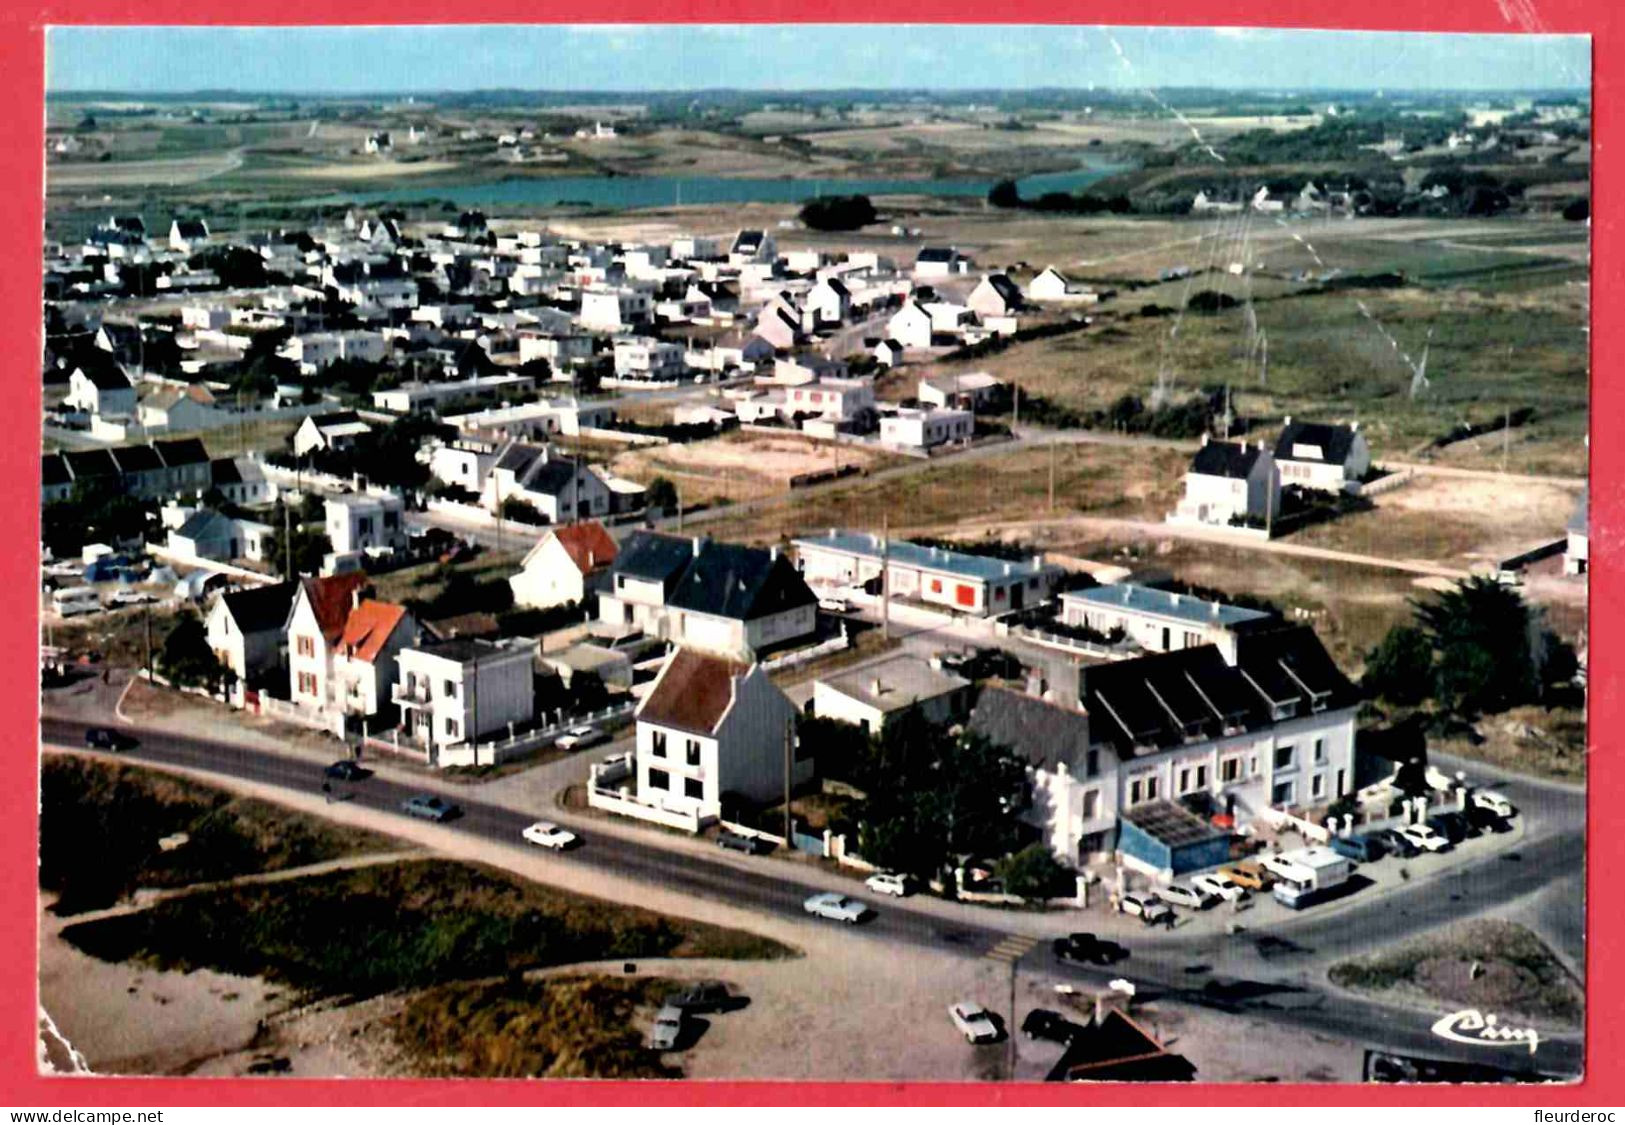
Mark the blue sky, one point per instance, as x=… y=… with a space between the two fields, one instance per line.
x=768 y=57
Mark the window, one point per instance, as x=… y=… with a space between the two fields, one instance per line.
x=936 y=585
x=692 y=750
x=1282 y=794
x=1091 y=804
x=694 y=787
x=363 y=525
x=1252 y=765
x=658 y=744
x=659 y=779
x=307 y=683
x=1283 y=757
x=453 y=728
x=1151 y=788
x=1201 y=777
x=449 y=689
x=1342 y=783
x=1184 y=779
x=1230 y=769
x=1091 y=766
x=306 y=646
x=998 y=595
x=1317 y=785
x=1320 y=751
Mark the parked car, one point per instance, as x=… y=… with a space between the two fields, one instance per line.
x=702 y=996
x=1146 y=906
x=1453 y=826
x=347 y=769
x=1250 y=874
x=832 y=603
x=1087 y=949
x=1218 y=883
x=1495 y=802
x=668 y=1028
x=426 y=807
x=1277 y=866
x=1185 y=894
x=1360 y=848
x=974 y=1022
x=104 y=738
x=836 y=907
x=890 y=883
x=130 y=597
x=1399 y=844
x=580 y=738
x=1041 y=1023
x=546 y=834
x=1426 y=837
x=1482 y=816
x=739 y=842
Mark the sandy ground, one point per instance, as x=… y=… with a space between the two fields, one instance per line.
x=183 y=170
x=384 y=169
x=126 y=1019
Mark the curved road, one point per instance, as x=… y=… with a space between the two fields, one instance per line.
x=1282 y=981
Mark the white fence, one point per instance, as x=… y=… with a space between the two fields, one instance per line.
x=750 y=833
x=1069 y=644
x=331 y=722
x=474 y=514
x=625 y=437
x=628 y=806
x=1387 y=483
x=1281 y=819
x=838 y=643
x=497 y=751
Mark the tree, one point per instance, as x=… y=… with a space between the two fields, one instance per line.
x=1577 y=210
x=1005 y=194
x=309 y=544
x=662 y=494
x=1034 y=872
x=1483 y=638
x=522 y=511
x=1400 y=669
x=838 y=212
x=186 y=659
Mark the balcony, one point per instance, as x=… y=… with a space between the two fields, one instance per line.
x=409 y=695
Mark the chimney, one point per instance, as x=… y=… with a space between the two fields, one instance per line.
x=698 y=545
x=1204 y=439
x=1215 y=606
x=876 y=687
x=773 y=552
x=1287 y=421
x=1007 y=568
x=1354 y=427
x=1038 y=562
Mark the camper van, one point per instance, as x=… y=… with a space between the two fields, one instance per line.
x=75 y=600
x=1309 y=875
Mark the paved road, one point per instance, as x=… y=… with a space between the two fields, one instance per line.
x=1217 y=972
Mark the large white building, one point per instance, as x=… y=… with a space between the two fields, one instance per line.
x=925 y=429
x=711 y=726
x=976 y=585
x=464 y=689
x=342 y=646
x=1159 y=620
x=359 y=522
x=1321 y=457
x=879 y=692
x=614 y=309
x=1230 y=481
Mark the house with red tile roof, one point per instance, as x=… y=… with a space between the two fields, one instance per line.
x=711 y=726
x=557 y=569
x=342 y=645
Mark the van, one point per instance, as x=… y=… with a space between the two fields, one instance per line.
x=1317 y=873
x=1361 y=849
x=76 y=600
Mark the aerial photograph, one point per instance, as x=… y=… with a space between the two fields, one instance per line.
x=875 y=553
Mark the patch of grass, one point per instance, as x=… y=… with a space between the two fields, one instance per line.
x=1533 y=740
x=558 y=1027
x=413 y=924
x=100 y=823
x=1515 y=973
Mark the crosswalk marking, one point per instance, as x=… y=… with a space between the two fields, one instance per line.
x=1012 y=948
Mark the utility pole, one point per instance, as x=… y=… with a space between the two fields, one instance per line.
x=885 y=576
x=1052 y=474
x=789 y=744
x=287 y=540
x=1506 y=438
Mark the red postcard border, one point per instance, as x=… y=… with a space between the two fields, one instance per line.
x=21 y=189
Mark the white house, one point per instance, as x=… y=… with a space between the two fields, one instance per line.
x=336 y=430
x=464 y=463
x=966 y=390
x=711 y=726
x=559 y=487
x=556 y=570
x=877 y=693
x=924 y=429
x=719 y=597
x=940 y=261
x=828 y=303
x=910 y=326
x=356 y=522
x=1321 y=457
x=613 y=309
x=975 y=585
x=245 y=630
x=241 y=480
x=464 y=689
x=995 y=295
x=1159 y=620
x=644 y=357
x=188 y=236
x=99 y=386
x=207 y=534
x=1229 y=481
x=342 y=646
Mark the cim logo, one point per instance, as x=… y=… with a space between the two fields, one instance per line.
x=1472 y=1026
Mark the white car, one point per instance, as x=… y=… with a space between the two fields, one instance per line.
x=831 y=603
x=973 y=1022
x=1496 y=803
x=1181 y=894
x=1424 y=837
x=1146 y=906
x=836 y=907
x=545 y=833
x=579 y=738
x=130 y=597
x=888 y=883
x=1222 y=885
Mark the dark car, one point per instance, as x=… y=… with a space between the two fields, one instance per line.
x=1398 y=844
x=1087 y=949
x=1480 y=817
x=1452 y=826
x=704 y=996
x=739 y=842
x=102 y=738
x=1041 y=1023
x=430 y=808
x=347 y=770
x=1361 y=849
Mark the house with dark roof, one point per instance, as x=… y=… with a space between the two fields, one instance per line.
x=207 y=534
x=940 y=261
x=241 y=480
x=187 y=463
x=1322 y=457
x=1230 y=484
x=338 y=429
x=717 y=597
x=457 y=691
x=99 y=386
x=142 y=471
x=1112 y=1047
x=188 y=236
x=995 y=295
x=556 y=571
x=56 y=480
x=560 y=487
x=752 y=246
x=712 y=726
x=246 y=629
